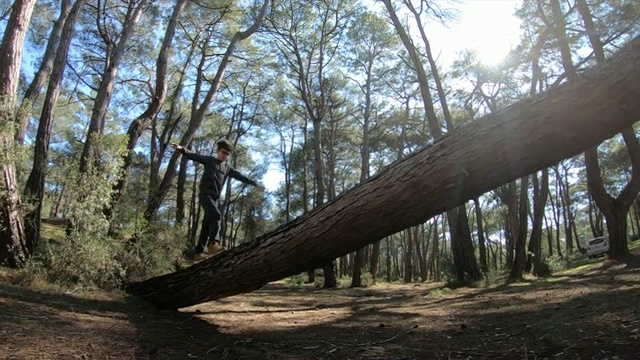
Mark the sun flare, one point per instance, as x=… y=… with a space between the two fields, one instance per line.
x=489 y=28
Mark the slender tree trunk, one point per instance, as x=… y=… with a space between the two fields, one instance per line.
x=435 y=254
x=55 y=208
x=481 y=241
x=34 y=189
x=374 y=261
x=422 y=262
x=520 y=258
x=556 y=211
x=512 y=223
x=408 y=256
x=540 y=194
x=389 y=245
x=40 y=78
x=112 y=61
x=181 y=190
x=636 y=217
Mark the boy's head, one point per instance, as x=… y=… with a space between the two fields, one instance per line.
x=224 y=148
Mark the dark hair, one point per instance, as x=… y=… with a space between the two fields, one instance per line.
x=224 y=144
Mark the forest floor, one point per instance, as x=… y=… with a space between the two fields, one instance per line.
x=591 y=312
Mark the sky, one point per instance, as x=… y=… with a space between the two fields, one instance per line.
x=488 y=26
x=485 y=25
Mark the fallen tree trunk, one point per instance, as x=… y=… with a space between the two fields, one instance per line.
x=528 y=136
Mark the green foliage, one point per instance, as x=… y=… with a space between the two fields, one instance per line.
x=366 y=279
x=569 y=261
x=101 y=261
x=85 y=254
x=154 y=252
x=84 y=261
x=449 y=271
x=296 y=280
x=544 y=269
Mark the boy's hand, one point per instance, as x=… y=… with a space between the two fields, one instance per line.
x=178 y=147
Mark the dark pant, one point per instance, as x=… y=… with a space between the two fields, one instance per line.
x=210 y=223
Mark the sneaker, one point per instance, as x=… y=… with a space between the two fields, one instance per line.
x=215 y=248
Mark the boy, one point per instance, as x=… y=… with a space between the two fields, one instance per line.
x=216 y=171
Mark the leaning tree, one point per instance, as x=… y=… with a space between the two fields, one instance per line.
x=523 y=138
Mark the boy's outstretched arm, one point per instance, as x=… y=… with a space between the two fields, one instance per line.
x=191 y=155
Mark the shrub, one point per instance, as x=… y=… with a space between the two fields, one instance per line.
x=154 y=252
x=84 y=261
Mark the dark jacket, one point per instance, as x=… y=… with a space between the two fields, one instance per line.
x=215 y=173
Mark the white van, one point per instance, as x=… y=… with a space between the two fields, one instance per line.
x=597 y=246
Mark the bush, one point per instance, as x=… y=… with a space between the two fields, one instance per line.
x=296 y=280
x=92 y=260
x=544 y=269
x=557 y=264
x=88 y=255
x=154 y=252
x=84 y=261
x=449 y=271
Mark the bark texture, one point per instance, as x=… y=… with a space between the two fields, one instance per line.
x=523 y=138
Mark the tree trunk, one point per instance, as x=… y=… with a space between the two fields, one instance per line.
x=388 y=258
x=518 y=140
x=512 y=225
x=13 y=250
x=408 y=256
x=374 y=261
x=463 y=252
x=540 y=194
x=595 y=219
x=40 y=78
x=482 y=249
x=520 y=256
x=34 y=189
x=112 y=60
x=181 y=190
x=358 y=260
x=422 y=261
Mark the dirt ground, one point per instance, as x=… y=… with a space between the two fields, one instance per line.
x=590 y=313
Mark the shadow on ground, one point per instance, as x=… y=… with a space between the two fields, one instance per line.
x=589 y=315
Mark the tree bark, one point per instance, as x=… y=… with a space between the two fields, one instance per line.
x=408 y=256
x=13 y=250
x=40 y=78
x=374 y=261
x=463 y=252
x=481 y=242
x=34 y=189
x=540 y=194
x=520 y=258
x=112 y=60
x=528 y=136
x=422 y=261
